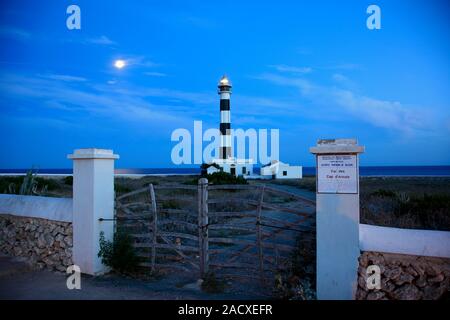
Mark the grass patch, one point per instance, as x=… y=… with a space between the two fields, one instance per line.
x=120 y=188
x=211 y=284
x=170 y=204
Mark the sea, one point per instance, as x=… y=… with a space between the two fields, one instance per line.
x=386 y=171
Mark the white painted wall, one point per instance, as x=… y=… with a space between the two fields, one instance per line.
x=58 y=209
x=293 y=172
x=277 y=168
x=238 y=164
x=430 y=243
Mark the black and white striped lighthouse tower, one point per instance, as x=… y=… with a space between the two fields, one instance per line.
x=225 y=120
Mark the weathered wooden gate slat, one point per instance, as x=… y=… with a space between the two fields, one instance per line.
x=180 y=223
x=231 y=226
x=166 y=246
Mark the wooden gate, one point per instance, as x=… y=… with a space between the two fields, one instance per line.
x=266 y=231
x=236 y=231
x=165 y=230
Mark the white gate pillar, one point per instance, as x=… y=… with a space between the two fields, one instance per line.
x=93 y=198
x=337 y=217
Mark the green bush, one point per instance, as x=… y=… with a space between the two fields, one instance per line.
x=120 y=254
x=224 y=178
x=218 y=178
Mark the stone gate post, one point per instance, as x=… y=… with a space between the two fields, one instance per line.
x=93 y=198
x=337 y=217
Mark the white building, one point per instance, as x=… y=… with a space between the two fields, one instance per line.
x=279 y=170
x=233 y=166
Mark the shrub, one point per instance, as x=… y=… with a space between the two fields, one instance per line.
x=49 y=184
x=10 y=184
x=119 y=254
x=211 y=284
x=224 y=178
x=68 y=180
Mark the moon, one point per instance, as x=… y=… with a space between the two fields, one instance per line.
x=119 y=64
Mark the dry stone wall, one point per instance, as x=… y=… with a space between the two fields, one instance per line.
x=44 y=243
x=405 y=277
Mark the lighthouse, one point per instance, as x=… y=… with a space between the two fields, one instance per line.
x=225 y=161
x=225 y=120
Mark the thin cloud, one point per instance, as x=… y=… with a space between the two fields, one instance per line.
x=139 y=61
x=84 y=97
x=64 y=77
x=391 y=115
x=102 y=40
x=155 y=74
x=290 y=69
x=343 y=81
x=16 y=33
x=343 y=66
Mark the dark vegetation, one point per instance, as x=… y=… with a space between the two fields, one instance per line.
x=218 y=178
x=29 y=184
x=211 y=284
x=119 y=254
x=224 y=178
x=68 y=180
x=403 y=202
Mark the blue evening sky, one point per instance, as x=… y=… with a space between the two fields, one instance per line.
x=309 y=68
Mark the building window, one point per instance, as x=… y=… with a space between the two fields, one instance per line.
x=284 y=173
x=244 y=170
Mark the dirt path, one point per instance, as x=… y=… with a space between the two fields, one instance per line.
x=18 y=281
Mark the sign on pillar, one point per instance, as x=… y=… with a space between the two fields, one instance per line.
x=93 y=198
x=337 y=217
